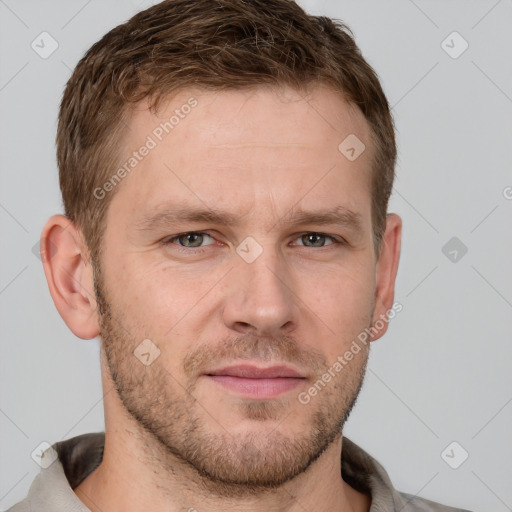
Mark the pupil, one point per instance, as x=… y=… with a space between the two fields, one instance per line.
x=191 y=240
x=314 y=239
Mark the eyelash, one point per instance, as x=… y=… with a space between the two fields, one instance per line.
x=200 y=250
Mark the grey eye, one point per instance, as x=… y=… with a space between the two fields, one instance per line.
x=314 y=239
x=192 y=240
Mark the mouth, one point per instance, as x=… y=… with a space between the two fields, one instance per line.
x=256 y=383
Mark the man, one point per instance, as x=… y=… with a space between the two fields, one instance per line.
x=225 y=169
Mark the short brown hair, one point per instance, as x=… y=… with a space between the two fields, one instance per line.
x=216 y=45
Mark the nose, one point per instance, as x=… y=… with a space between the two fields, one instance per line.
x=260 y=298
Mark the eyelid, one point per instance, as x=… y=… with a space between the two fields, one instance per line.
x=169 y=240
x=335 y=239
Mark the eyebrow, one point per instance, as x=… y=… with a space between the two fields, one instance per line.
x=176 y=215
x=338 y=215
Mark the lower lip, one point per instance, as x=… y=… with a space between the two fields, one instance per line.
x=257 y=388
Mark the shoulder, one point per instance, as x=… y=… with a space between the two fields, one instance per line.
x=417 y=504
x=366 y=474
x=71 y=462
x=22 y=506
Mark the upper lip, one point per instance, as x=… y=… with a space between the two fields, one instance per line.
x=253 y=372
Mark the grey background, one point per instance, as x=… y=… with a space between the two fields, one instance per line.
x=441 y=373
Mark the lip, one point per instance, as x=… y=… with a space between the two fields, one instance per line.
x=253 y=372
x=256 y=383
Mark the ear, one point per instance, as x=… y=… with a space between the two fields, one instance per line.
x=387 y=267
x=69 y=275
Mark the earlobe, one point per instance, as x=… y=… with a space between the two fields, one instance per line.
x=69 y=276
x=387 y=267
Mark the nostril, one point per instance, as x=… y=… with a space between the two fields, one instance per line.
x=245 y=326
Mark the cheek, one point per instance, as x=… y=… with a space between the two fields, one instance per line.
x=152 y=292
x=343 y=301
x=345 y=285
x=161 y=303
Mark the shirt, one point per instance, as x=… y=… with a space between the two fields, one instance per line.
x=78 y=457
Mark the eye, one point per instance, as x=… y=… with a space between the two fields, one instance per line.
x=198 y=239
x=316 y=240
x=191 y=240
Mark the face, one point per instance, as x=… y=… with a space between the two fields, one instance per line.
x=241 y=246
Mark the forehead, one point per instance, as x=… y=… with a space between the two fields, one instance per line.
x=242 y=148
x=265 y=114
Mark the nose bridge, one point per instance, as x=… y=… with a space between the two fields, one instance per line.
x=266 y=274
x=260 y=297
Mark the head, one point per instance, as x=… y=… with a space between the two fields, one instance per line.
x=213 y=218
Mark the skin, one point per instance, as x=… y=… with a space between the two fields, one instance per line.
x=175 y=439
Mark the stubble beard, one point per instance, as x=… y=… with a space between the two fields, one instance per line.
x=172 y=423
